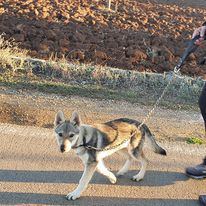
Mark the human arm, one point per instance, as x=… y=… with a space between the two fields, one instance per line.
x=196 y=32
x=202 y=31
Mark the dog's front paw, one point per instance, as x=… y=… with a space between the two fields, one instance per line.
x=73 y=195
x=113 y=179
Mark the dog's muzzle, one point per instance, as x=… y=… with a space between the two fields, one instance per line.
x=62 y=148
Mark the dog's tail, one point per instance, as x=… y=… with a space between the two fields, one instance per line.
x=157 y=149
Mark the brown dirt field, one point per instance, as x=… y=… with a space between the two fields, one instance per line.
x=140 y=35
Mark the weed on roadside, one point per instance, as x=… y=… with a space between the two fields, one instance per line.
x=196 y=140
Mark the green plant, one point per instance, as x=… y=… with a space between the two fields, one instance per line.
x=195 y=140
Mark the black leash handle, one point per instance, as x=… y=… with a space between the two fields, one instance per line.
x=190 y=49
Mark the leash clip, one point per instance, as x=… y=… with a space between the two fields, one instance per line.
x=177 y=69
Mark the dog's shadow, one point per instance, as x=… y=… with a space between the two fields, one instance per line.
x=27 y=199
x=152 y=178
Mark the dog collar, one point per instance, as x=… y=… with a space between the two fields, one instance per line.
x=81 y=145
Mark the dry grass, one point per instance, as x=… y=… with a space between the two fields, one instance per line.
x=8 y=50
x=17 y=68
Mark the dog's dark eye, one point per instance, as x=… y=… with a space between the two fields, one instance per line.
x=71 y=135
x=60 y=134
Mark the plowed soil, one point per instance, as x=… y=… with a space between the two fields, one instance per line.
x=134 y=35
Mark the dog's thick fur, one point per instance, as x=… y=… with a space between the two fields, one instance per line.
x=108 y=136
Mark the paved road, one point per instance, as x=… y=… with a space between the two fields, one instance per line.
x=32 y=171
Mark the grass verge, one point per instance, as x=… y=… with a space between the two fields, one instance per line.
x=57 y=76
x=49 y=86
x=89 y=91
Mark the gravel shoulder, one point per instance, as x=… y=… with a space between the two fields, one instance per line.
x=38 y=109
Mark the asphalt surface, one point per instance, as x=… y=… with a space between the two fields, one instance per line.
x=34 y=172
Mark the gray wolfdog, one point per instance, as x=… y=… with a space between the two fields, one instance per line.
x=92 y=143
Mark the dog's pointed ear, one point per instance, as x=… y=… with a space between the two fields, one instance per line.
x=59 y=118
x=75 y=119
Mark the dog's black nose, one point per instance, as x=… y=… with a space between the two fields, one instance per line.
x=62 y=148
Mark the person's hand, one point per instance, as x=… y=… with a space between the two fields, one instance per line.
x=199 y=41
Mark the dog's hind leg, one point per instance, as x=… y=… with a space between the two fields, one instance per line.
x=140 y=175
x=86 y=177
x=124 y=152
x=125 y=167
x=104 y=171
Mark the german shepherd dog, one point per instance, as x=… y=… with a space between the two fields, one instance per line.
x=92 y=143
